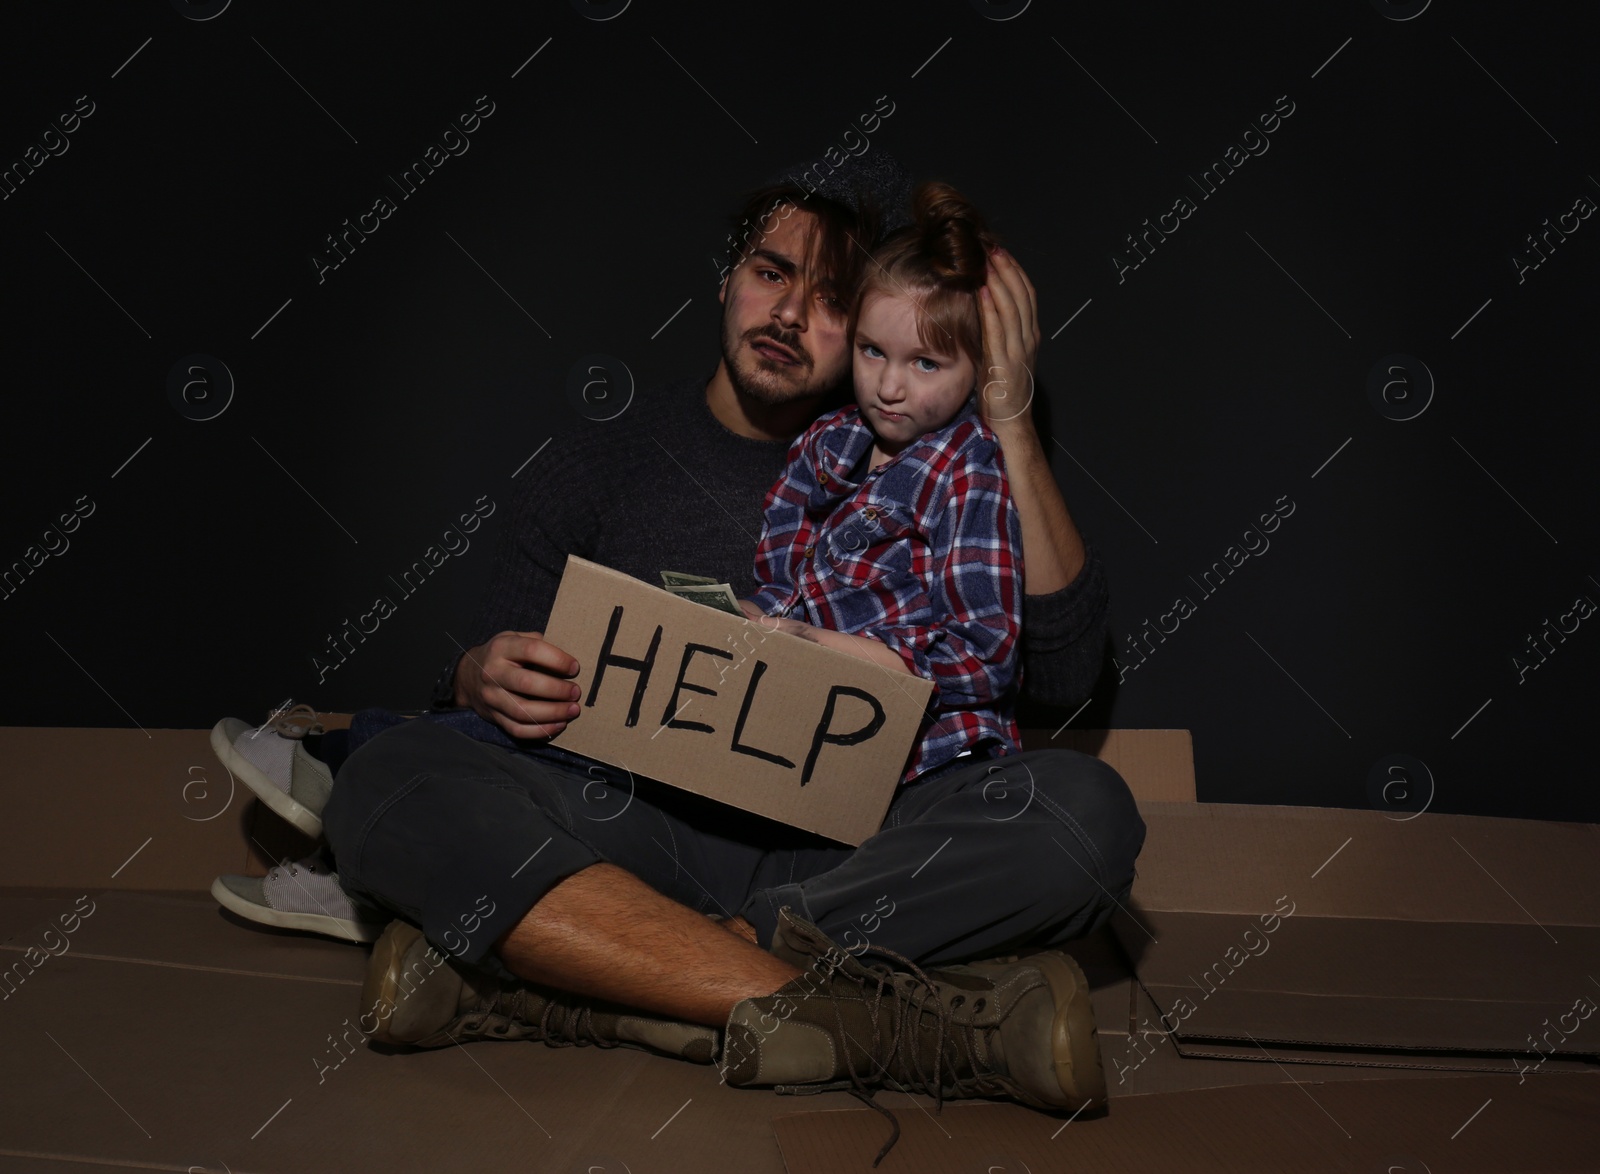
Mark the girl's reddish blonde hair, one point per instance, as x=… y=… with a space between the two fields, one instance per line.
x=940 y=261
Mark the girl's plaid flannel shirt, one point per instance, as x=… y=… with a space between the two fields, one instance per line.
x=923 y=554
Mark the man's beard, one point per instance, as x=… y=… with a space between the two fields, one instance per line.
x=763 y=380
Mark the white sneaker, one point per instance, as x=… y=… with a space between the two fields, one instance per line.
x=304 y=895
x=272 y=762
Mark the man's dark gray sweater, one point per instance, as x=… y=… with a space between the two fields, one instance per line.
x=665 y=486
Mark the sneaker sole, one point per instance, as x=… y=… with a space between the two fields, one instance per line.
x=1074 y=1043
x=317 y=923
x=223 y=735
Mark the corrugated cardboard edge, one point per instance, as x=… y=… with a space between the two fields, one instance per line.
x=1312 y=1051
x=1142 y=1057
x=1368 y=862
x=1236 y=858
x=75 y=796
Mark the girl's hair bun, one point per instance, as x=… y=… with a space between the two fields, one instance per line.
x=951 y=234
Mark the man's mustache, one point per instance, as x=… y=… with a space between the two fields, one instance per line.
x=793 y=345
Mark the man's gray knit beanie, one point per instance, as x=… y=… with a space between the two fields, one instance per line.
x=876 y=177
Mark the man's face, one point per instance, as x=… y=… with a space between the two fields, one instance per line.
x=905 y=389
x=783 y=334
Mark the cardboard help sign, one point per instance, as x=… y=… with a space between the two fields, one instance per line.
x=718 y=705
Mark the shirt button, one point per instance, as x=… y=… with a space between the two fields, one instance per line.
x=822 y=477
x=810 y=547
x=870 y=513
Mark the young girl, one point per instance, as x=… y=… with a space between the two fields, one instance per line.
x=891 y=534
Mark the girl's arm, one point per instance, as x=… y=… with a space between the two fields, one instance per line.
x=864 y=647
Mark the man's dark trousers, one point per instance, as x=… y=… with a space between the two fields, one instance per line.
x=978 y=858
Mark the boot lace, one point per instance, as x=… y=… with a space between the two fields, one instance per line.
x=914 y=998
x=576 y=1026
x=559 y=1024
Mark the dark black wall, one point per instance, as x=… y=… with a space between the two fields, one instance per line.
x=1226 y=374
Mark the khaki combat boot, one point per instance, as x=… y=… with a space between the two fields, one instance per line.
x=1019 y=1029
x=414 y=996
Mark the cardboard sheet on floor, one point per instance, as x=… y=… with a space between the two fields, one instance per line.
x=185 y=930
x=128 y=808
x=172 y=1060
x=154 y=809
x=1140 y=1057
x=26 y=913
x=1351 y=936
x=1464 y=1125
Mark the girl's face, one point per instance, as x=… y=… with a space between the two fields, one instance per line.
x=903 y=388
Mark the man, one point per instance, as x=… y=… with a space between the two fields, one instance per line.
x=573 y=898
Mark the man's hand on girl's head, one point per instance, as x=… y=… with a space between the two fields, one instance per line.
x=1010 y=345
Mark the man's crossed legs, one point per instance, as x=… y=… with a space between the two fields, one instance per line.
x=465 y=839
x=541 y=870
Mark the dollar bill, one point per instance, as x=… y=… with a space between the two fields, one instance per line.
x=671 y=579
x=719 y=596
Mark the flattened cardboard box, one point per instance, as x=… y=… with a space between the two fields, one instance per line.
x=718 y=705
x=1148 y=1059
x=1336 y=936
x=64 y=834
x=1352 y=1127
